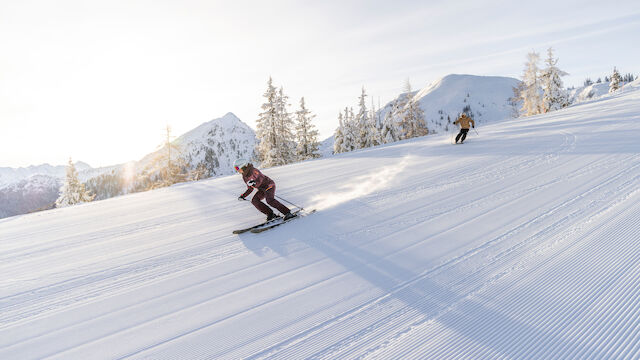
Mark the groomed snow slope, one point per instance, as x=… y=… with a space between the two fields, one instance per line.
x=522 y=243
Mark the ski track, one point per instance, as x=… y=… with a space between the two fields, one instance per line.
x=488 y=254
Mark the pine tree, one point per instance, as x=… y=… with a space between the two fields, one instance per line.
x=407 y=86
x=375 y=125
x=338 y=136
x=616 y=79
x=274 y=129
x=73 y=191
x=532 y=103
x=286 y=148
x=412 y=119
x=366 y=136
x=554 y=96
x=516 y=98
x=390 y=132
x=267 y=126
x=350 y=131
x=306 y=134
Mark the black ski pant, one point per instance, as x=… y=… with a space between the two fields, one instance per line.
x=463 y=133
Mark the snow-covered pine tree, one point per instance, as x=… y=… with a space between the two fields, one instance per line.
x=306 y=134
x=390 y=132
x=376 y=125
x=616 y=79
x=412 y=118
x=350 y=131
x=73 y=191
x=366 y=135
x=286 y=139
x=407 y=86
x=266 y=128
x=516 y=98
x=554 y=96
x=338 y=136
x=273 y=129
x=531 y=100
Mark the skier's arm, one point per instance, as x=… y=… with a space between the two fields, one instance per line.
x=473 y=123
x=246 y=193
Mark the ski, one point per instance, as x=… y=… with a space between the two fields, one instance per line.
x=265 y=227
x=240 y=231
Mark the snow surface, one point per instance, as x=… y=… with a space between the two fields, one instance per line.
x=522 y=243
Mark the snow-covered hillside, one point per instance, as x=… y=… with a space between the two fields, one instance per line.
x=589 y=92
x=521 y=244
x=443 y=100
x=595 y=91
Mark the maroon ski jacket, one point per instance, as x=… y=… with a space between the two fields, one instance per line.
x=255 y=180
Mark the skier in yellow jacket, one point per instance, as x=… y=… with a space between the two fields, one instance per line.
x=464 y=121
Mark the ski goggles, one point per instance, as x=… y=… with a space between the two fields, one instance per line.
x=238 y=169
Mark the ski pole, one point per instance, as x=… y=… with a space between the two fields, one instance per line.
x=289 y=202
x=474 y=129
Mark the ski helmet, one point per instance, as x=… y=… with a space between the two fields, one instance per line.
x=240 y=164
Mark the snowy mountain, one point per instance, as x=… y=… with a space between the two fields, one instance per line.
x=23 y=190
x=326 y=146
x=13 y=175
x=215 y=145
x=520 y=244
x=486 y=97
x=33 y=193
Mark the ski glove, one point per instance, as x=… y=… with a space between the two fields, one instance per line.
x=473 y=126
x=251 y=183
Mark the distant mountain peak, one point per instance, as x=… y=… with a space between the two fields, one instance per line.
x=231 y=115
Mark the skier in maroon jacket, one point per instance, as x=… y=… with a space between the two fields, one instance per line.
x=266 y=190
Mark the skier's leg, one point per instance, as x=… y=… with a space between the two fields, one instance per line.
x=464 y=134
x=271 y=200
x=459 y=134
x=257 y=202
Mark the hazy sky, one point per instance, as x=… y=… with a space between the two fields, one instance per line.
x=99 y=80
